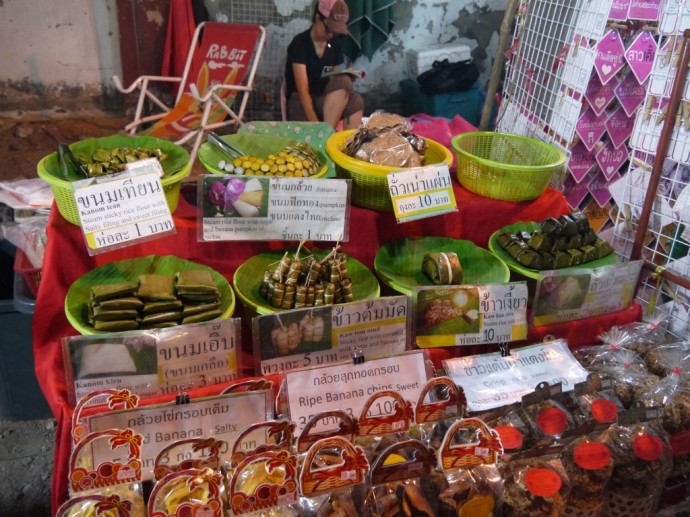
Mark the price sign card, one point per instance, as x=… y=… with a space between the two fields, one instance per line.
x=122 y=209
x=222 y=417
x=471 y=314
x=348 y=386
x=247 y=208
x=303 y=338
x=574 y=293
x=421 y=192
x=153 y=362
x=491 y=380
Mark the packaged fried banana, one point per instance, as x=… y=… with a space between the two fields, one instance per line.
x=440 y=404
x=404 y=481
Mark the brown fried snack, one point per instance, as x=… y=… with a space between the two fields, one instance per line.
x=518 y=500
x=587 y=484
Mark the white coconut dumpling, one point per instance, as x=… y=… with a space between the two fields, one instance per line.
x=252 y=185
x=105 y=358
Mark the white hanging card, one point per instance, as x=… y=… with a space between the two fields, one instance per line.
x=593 y=17
x=669 y=18
x=578 y=65
x=122 y=209
x=492 y=380
x=564 y=118
x=248 y=208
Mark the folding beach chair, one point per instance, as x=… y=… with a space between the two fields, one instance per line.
x=213 y=90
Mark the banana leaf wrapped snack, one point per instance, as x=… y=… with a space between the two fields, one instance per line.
x=155 y=301
x=557 y=243
x=443 y=268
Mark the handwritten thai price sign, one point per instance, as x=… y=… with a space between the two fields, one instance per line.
x=246 y=208
x=421 y=192
x=153 y=362
x=491 y=380
x=574 y=293
x=348 y=386
x=471 y=314
x=303 y=338
x=222 y=417
x=122 y=209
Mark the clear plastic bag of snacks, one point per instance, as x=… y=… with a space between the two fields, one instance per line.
x=440 y=404
x=546 y=417
x=672 y=358
x=588 y=462
x=642 y=462
x=535 y=483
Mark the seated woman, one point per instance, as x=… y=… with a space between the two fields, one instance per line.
x=316 y=51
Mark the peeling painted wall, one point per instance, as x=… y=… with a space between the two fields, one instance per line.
x=55 y=50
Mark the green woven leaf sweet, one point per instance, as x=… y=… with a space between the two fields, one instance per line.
x=514 y=265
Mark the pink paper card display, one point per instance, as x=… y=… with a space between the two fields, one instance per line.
x=575 y=193
x=619 y=10
x=591 y=127
x=610 y=56
x=599 y=95
x=640 y=55
x=611 y=159
x=619 y=127
x=599 y=188
x=630 y=94
x=644 y=10
x=581 y=162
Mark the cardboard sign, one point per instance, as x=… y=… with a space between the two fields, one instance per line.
x=421 y=192
x=122 y=209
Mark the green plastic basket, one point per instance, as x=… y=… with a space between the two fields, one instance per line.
x=504 y=166
x=176 y=167
x=369 y=182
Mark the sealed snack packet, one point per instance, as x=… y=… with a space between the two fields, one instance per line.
x=265 y=483
x=404 y=481
x=93 y=505
x=627 y=373
x=666 y=359
x=332 y=479
x=672 y=395
x=535 y=483
x=118 y=481
x=642 y=462
x=378 y=430
x=588 y=462
x=509 y=423
x=596 y=402
x=642 y=336
x=441 y=403
x=188 y=492
x=327 y=424
x=196 y=453
x=546 y=417
x=468 y=458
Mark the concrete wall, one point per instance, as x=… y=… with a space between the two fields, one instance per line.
x=60 y=54
x=56 y=49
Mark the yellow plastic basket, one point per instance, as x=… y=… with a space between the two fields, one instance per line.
x=369 y=183
x=504 y=166
x=49 y=170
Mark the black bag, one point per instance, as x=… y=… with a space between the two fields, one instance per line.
x=444 y=77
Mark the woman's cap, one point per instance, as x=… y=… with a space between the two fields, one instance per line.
x=336 y=14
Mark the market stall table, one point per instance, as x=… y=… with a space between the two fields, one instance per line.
x=66 y=260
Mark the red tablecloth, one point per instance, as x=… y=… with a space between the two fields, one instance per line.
x=66 y=260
